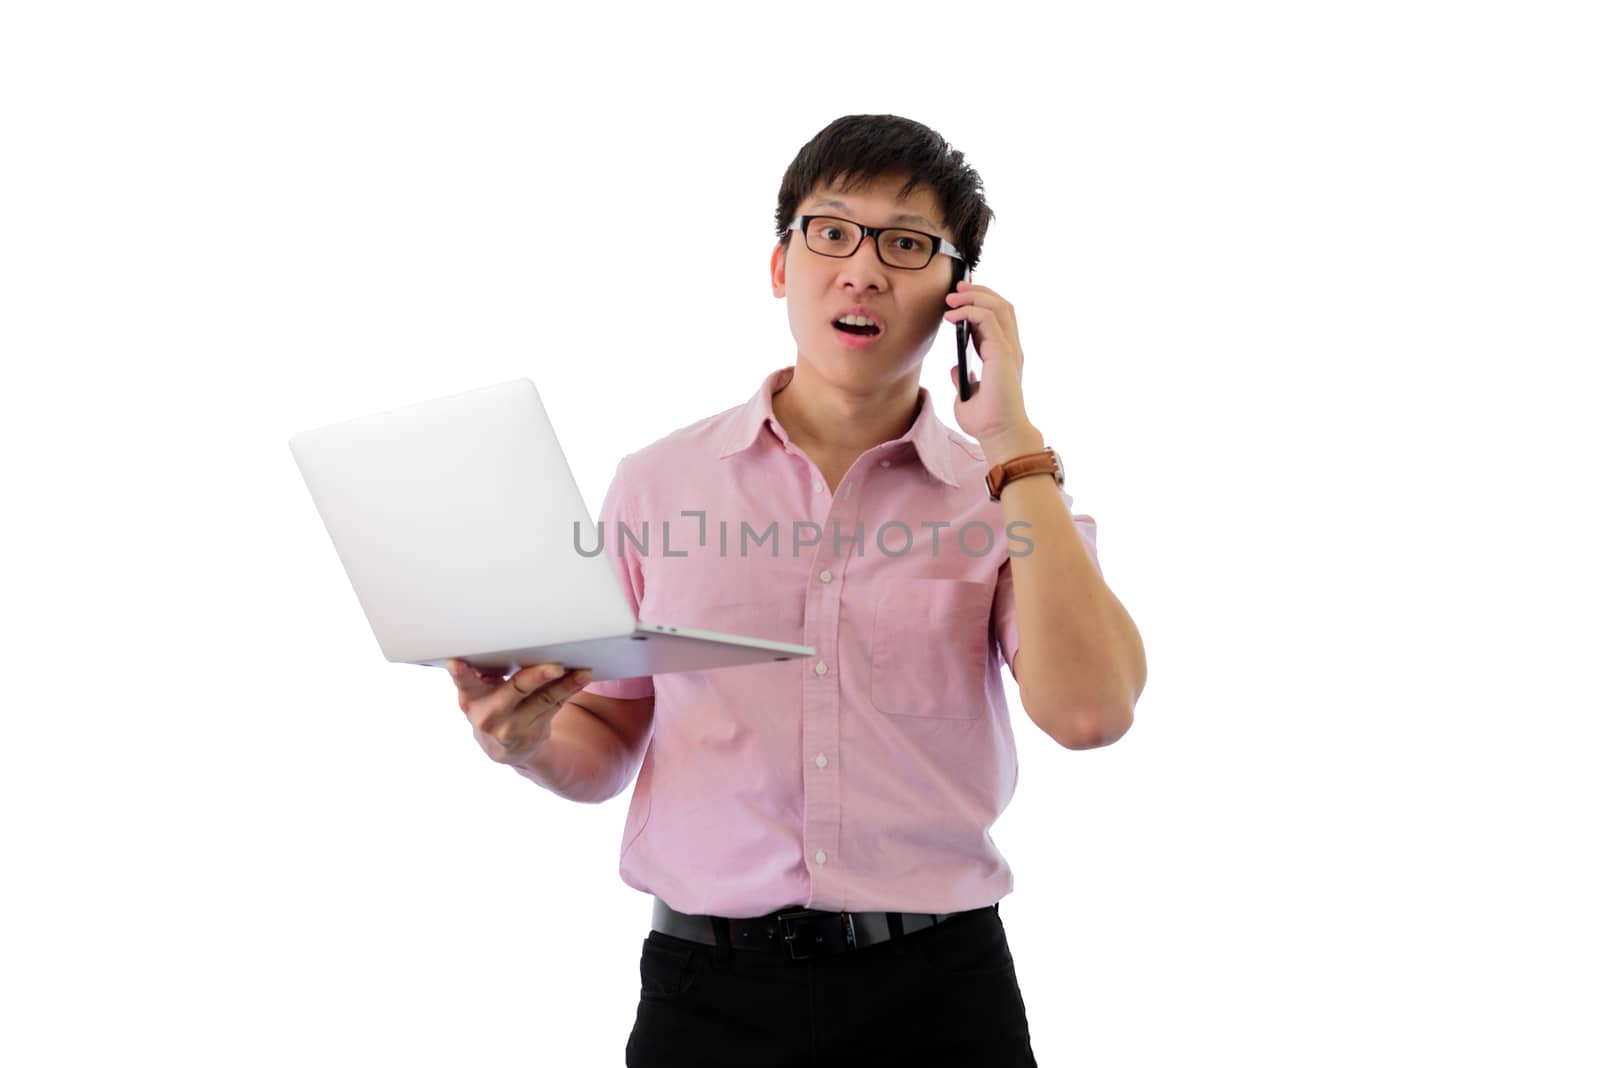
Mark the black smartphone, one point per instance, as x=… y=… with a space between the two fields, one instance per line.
x=962 y=275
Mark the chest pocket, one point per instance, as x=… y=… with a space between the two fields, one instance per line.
x=930 y=648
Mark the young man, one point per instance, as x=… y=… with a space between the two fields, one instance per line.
x=815 y=833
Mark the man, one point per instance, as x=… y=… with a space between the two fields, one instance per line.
x=815 y=833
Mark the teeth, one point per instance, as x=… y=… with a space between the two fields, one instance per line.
x=855 y=320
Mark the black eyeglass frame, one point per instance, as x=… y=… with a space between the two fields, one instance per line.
x=941 y=247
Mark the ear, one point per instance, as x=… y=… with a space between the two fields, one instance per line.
x=779 y=265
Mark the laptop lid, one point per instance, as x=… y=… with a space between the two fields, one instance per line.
x=453 y=519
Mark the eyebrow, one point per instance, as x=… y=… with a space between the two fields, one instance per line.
x=903 y=217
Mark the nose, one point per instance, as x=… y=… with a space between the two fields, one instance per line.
x=864 y=264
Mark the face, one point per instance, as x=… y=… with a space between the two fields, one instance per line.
x=907 y=304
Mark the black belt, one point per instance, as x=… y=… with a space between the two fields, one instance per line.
x=802 y=932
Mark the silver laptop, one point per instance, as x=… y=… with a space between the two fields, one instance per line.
x=454 y=522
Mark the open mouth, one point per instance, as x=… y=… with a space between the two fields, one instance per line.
x=857 y=335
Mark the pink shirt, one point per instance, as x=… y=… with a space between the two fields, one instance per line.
x=867 y=776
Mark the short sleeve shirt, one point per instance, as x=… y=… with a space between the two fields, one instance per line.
x=867 y=776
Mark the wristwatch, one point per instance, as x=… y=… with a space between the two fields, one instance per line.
x=1046 y=462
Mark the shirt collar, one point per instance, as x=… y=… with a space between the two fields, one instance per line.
x=927 y=435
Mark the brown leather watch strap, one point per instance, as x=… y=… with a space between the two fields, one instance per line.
x=1044 y=462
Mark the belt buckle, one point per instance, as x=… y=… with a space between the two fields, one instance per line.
x=789 y=935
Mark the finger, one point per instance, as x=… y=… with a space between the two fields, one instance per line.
x=982 y=294
x=545 y=684
x=976 y=312
x=557 y=688
x=987 y=325
x=469 y=680
x=456 y=666
x=565 y=687
x=993 y=313
x=528 y=680
x=489 y=710
x=531 y=718
x=491 y=674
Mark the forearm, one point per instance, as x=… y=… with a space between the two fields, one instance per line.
x=1085 y=660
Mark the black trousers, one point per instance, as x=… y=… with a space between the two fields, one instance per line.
x=947 y=994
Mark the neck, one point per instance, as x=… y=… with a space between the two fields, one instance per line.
x=844 y=419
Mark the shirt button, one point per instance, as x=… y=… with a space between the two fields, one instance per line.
x=883 y=463
x=822 y=858
x=826 y=576
x=822 y=669
x=816 y=487
x=822 y=761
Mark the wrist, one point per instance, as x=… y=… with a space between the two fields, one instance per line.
x=1013 y=443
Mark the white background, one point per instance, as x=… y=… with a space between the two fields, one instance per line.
x=1308 y=299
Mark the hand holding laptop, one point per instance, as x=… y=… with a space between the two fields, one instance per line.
x=515 y=713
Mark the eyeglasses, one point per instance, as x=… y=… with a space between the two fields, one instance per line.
x=909 y=250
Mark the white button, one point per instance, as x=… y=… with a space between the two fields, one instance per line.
x=816 y=487
x=822 y=858
x=826 y=576
x=883 y=463
x=822 y=761
x=822 y=669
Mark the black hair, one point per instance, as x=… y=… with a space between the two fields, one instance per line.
x=862 y=148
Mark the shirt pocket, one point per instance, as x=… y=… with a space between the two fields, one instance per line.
x=930 y=648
